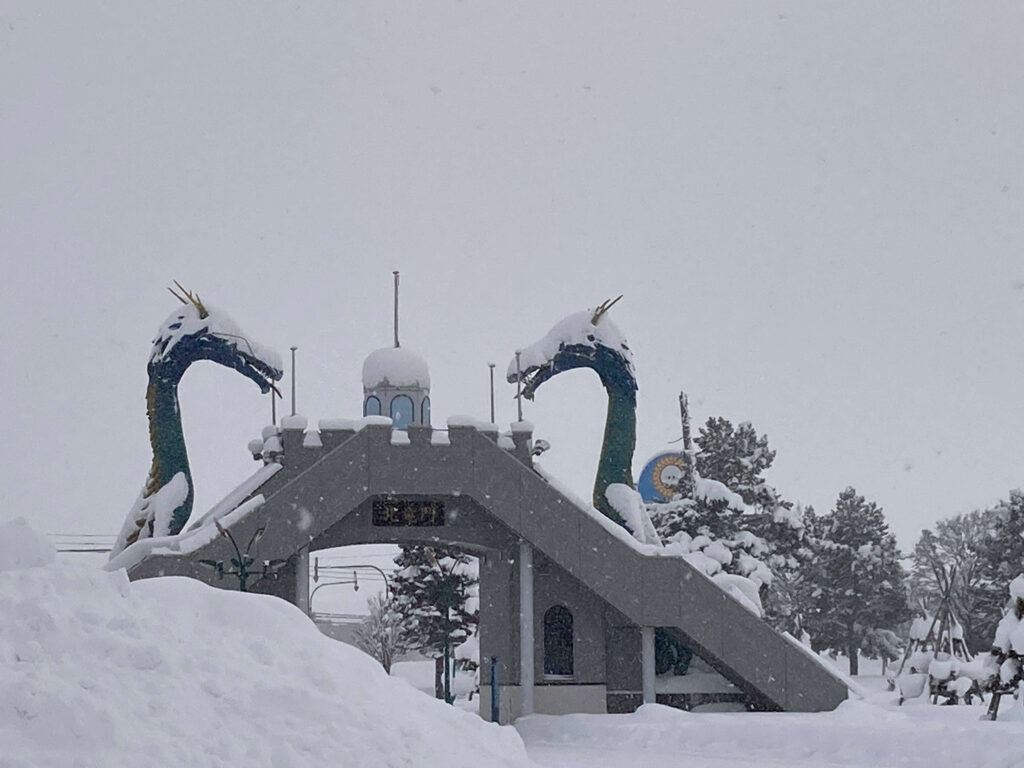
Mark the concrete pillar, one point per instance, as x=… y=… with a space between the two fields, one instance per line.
x=647 y=663
x=302 y=580
x=526 y=626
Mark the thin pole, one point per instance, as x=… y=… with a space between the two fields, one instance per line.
x=519 y=386
x=495 y=717
x=293 y=380
x=684 y=414
x=526 y=627
x=491 y=366
x=273 y=407
x=395 y=273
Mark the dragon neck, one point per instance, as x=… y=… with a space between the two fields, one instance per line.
x=616 y=462
x=168 y=443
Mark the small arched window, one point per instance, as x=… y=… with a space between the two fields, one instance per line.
x=558 y=656
x=401 y=411
x=371 y=407
x=425 y=411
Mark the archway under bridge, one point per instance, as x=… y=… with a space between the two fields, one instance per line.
x=364 y=483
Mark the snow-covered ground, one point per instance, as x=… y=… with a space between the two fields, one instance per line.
x=97 y=671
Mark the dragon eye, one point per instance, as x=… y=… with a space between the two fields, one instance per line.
x=625 y=346
x=174 y=326
x=590 y=337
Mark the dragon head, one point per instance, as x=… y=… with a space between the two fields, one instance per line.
x=196 y=332
x=581 y=340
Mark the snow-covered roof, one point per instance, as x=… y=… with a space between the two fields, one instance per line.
x=395 y=367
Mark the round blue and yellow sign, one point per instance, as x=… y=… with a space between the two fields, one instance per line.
x=661 y=476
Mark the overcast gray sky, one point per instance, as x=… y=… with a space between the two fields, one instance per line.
x=813 y=211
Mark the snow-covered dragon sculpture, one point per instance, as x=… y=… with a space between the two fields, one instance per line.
x=194 y=332
x=590 y=340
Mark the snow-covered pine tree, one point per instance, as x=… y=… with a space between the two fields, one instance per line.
x=732 y=515
x=738 y=458
x=380 y=634
x=858 y=580
x=959 y=542
x=432 y=589
x=1004 y=664
x=1002 y=557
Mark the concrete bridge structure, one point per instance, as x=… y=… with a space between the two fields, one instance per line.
x=539 y=551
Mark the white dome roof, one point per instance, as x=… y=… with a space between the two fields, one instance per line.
x=395 y=367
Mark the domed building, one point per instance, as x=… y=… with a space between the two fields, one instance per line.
x=396 y=383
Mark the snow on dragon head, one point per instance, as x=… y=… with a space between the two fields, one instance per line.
x=582 y=340
x=197 y=332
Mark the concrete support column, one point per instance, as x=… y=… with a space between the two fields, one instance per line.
x=526 y=626
x=647 y=663
x=302 y=580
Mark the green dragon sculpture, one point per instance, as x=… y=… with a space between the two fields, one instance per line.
x=188 y=335
x=590 y=340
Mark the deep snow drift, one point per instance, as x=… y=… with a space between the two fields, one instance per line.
x=97 y=671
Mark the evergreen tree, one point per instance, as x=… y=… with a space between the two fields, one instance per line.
x=730 y=504
x=738 y=458
x=380 y=635
x=856 y=580
x=432 y=589
x=959 y=547
x=1002 y=557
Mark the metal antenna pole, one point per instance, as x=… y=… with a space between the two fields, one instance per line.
x=395 y=273
x=293 y=380
x=491 y=366
x=273 y=407
x=519 y=385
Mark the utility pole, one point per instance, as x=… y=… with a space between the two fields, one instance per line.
x=691 y=469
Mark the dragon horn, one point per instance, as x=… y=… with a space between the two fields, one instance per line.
x=192 y=299
x=605 y=306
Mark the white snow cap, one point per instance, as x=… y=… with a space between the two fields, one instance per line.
x=395 y=367
x=1017 y=586
x=185 y=321
x=630 y=506
x=576 y=329
x=21 y=547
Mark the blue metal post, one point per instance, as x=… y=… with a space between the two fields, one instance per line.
x=494 y=689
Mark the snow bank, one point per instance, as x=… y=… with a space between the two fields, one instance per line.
x=95 y=671
x=856 y=734
x=21 y=547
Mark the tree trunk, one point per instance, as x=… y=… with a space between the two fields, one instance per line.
x=439 y=677
x=852 y=652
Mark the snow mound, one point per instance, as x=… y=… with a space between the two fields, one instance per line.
x=856 y=734
x=95 y=671
x=21 y=547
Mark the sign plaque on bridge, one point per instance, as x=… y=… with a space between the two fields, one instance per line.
x=408 y=512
